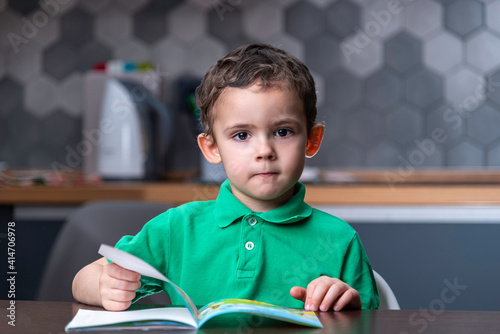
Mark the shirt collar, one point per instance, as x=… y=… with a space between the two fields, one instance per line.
x=228 y=208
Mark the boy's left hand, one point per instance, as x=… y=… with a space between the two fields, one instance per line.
x=325 y=292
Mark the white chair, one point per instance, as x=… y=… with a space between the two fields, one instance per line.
x=388 y=300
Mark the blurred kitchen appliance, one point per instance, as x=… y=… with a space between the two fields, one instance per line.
x=186 y=90
x=127 y=126
x=120 y=153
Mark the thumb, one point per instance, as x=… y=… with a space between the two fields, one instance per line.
x=298 y=293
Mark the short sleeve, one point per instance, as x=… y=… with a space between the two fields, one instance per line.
x=152 y=245
x=358 y=273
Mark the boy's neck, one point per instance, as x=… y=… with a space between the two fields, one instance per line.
x=260 y=205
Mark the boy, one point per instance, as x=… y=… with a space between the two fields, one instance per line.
x=259 y=239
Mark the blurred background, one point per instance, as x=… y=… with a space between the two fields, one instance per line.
x=388 y=73
x=402 y=85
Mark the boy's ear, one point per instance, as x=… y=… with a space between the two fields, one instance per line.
x=209 y=148
x=314 y=140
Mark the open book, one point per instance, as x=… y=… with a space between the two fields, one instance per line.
x=172 y=317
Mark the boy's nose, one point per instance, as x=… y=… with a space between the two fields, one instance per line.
x=265 y=151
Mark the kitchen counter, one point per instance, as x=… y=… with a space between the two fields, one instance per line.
x=177 y=193
x=349 y=187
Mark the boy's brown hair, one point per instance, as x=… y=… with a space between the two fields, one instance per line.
x=240 y=68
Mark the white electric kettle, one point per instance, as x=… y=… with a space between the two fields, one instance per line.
x=136 y=131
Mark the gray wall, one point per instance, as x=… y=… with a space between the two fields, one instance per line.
x=420 y=261
x=389 y=77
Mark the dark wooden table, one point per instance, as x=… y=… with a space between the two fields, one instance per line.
x=50 y=317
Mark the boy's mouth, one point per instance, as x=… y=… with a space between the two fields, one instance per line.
x=267 y=174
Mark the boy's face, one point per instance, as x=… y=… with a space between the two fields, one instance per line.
x=261 y=138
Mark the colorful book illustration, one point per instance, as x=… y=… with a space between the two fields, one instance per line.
x=176 y=317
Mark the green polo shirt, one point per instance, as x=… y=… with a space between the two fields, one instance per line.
x=222 y=249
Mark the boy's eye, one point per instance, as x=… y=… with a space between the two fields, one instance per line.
x=241 y=135
x=283 y=132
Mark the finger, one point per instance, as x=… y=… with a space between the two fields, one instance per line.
x=331 y=296
x=109 y=282
x=123 y=285
x=349 y=298
x=318 y=294
x=115 y=271
x=116 y=295
x=309 y=294
x=121 y=295
x=112 y=305
x=299 y=293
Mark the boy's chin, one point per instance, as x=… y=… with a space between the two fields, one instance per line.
x=273 y=194
x=265 y=191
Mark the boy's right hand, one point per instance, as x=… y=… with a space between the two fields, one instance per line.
x=117 y=287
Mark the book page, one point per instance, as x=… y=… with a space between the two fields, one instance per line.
x=90 y=318
x=132 y=262
x=224 y=306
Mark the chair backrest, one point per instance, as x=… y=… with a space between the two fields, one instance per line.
x=78 y=241
x=388 y=299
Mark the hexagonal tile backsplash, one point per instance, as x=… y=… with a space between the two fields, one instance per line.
x=390 y=74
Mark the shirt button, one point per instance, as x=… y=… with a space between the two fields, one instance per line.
x=249 y=245
x=252 y=221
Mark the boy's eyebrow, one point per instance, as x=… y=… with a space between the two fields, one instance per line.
x=278 y=123
x=287 y=121
x=238 y=127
